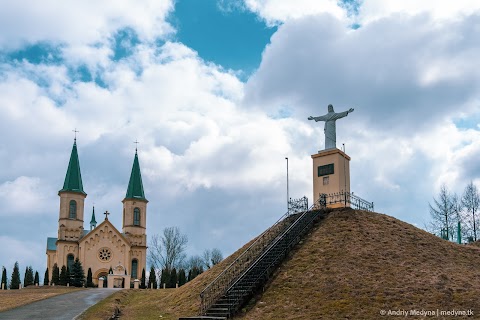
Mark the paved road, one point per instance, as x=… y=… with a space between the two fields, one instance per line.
x=62 y=307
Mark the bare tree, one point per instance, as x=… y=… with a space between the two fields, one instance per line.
x=216 y=256
x=471 y=202
x=211 y=257
x=167 y=251
x=458 y=218
x=206 y=257
x=194 y=262
x=443 y=213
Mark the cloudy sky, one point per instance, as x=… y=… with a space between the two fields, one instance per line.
x=218 y=93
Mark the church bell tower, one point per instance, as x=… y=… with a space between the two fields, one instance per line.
x=72 y=198
x=135 y=216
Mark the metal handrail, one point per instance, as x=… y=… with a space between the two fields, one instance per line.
x=223 y=281
x=217 y=288
x=347 y=197
x=288 y=236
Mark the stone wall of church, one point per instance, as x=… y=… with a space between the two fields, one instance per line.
x=103 y=248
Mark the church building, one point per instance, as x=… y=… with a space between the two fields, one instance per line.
x=102 y=247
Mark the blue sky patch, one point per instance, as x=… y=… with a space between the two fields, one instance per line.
x=471 y=122
x=124 y=42
x=229 y=36
x=39 y=53
x=351 y=6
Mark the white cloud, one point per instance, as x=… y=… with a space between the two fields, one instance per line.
x=371 y=10
x=275 y=11
x=394 y=69
x=281 y=11
x=25 y=196
x=80 y=23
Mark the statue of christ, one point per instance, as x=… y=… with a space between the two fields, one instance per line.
x=330 y=131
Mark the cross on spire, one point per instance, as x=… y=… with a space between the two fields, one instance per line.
x=106 y=214
x=136 y=144
x=75 y=131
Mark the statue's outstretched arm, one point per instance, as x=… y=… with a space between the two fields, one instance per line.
x=342 y=114
x=320 y=118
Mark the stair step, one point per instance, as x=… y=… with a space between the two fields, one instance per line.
x=203 y=318
x=259 y=269
x=216 y=310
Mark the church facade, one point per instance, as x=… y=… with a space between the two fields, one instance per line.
x=102 y=247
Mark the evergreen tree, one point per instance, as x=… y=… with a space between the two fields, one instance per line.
x=28 y=279
x=194 y=272
x=181 y=277
x=55 y=275
x=142 y=280
x=4 y=278
x=36 y=280
x=69 y=276
x=152 y=279
x=89 y=278
x=77 y=274
x=15 y=280
x=46 y=280
x=62 y=281
x=165 y=278
x=173 y=278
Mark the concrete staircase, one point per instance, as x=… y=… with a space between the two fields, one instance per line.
x=222 y=302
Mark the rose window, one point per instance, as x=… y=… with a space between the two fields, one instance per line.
x=104 y=254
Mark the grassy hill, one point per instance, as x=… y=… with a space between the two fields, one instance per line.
x=352 y=265
x=355 y=264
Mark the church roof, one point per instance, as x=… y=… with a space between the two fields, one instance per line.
x=73 y=178
x=52 y=244
x=135 y=185
x=102 y=225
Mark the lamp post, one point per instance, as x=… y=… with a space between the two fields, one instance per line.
x=288 y=207
x=345 y=177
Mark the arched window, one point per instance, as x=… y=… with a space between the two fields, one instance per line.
x=136 y=217
x=70 y=261
x=134 y=268
x=73 y=209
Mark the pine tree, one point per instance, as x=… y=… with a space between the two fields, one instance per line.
x=69 y=276
x=62 y=281
x=194 y=272
x=46 y=280
x=77 y=274
x=15 y=280
x=4 y=278
x=181 y=277
x=89 y=278
x=152 y=279
x=55 y=275
x=173 y=278
x=142 y=280
x=165 y=278
x=36 y=280
x=28 y=278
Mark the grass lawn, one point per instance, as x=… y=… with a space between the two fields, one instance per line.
x=10 y=299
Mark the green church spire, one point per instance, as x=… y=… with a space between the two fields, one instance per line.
x=135 y=185
x=93 y=222
x=73 y=179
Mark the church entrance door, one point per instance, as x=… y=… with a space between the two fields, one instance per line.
x=105 y=276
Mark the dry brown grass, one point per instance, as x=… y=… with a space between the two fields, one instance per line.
x=10 y=299
x=350 y=266
x=165 y=304
x=355 y=264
